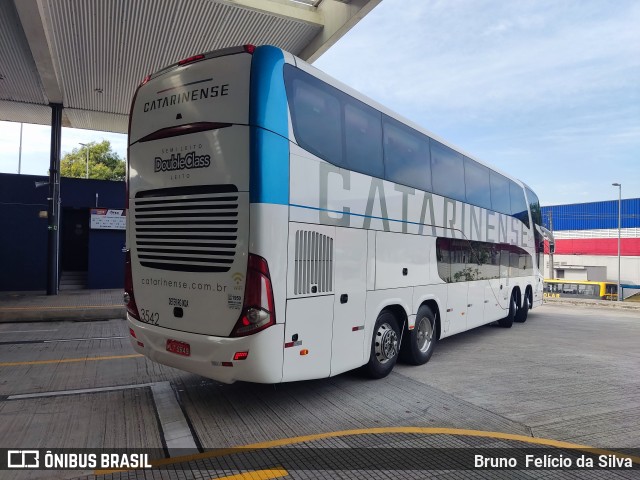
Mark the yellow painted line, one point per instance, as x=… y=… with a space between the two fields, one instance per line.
x=257 y=475
x=60 y=307
x=69 y=360
x=381 y=431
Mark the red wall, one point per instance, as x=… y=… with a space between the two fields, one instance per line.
x=596 y=246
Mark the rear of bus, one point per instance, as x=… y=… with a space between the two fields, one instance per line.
x=199 y=288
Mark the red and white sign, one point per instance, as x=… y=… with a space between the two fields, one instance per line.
x=107 y=219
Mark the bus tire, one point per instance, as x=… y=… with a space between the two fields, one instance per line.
x=521 y=314
x=385 y=345
x=507 y=321
x=419 y=343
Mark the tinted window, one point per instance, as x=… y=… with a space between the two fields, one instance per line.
x=487 y=257
x=406 y=155
x=443 y=256
x=476 y=179
x=534 y=205
x=447 y=172
x=519 y=203
x=536 y=217
x=504 y=261
x=363 y=145
x=588 y=290
x=316 y=116
x=500 y=194
x=464 y=261
x=455 y=260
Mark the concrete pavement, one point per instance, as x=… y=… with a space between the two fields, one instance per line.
x=74 y=305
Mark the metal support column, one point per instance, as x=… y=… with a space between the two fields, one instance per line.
x=54 y=200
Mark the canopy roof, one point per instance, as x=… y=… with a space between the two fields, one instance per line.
x=90 y=55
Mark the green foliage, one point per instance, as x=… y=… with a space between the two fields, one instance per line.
x=104 y=164
x=467 y=274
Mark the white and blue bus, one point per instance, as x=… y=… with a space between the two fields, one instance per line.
x=281 y=226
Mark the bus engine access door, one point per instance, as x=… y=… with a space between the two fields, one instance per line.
x=347 y=344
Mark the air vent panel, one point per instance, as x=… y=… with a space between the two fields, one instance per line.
x=313 y=263
x=188 y=229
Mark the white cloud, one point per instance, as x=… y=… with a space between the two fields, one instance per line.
x=539 y=88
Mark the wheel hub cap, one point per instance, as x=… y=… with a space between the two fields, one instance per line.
x=425 y=333
x=386 y=346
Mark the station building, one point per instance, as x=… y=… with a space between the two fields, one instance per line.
x=92 y=233
x=586 y=241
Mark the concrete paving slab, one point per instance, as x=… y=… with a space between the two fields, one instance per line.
x=175 y=428
x=105 y=419
x=75 y=305
x=36 y=367
x=232 y=415
x=569 y=373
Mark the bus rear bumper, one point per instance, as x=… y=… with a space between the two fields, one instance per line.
x=212 y=357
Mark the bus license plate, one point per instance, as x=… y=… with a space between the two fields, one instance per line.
x=180 y=348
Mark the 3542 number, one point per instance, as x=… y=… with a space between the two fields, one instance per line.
x=147 y=316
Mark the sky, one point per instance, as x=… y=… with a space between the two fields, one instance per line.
x=546 y=91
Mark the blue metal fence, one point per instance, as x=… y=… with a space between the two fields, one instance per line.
x=593 y=215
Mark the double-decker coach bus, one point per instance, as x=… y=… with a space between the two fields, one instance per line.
x=284 y=227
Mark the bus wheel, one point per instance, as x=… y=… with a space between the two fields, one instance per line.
x=419 y=343
x=521 y=314
x=384 y=346
x=507 y=321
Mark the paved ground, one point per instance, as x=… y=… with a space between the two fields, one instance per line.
x=568 y=374
x=67 y=305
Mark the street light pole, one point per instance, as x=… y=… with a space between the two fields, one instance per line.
x=86 y=145
x=619 y=185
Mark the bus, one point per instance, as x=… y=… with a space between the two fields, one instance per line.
x=282 y=226
x=561 y=288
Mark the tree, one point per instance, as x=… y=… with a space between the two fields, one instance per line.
x=104 y=163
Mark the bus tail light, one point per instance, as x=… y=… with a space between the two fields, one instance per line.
x=241 y=355
x=192 y=59
x=258 y=310
x=129 y=299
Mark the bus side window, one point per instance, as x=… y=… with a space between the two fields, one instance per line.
x=518 y=203
x=317 y=119
x=476 y=179
x=443 y=256
x=406 y=155
x=362 y=126
x=500 y=193
x=447 y=169
x=505 y=261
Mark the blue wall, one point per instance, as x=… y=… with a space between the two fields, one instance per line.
x=23 y=238
x=593 y=215
x=23 y=241
x=106 y=260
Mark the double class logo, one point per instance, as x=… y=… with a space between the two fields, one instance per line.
x=179 y=161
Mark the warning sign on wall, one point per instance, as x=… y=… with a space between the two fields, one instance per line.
x=107 y=219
